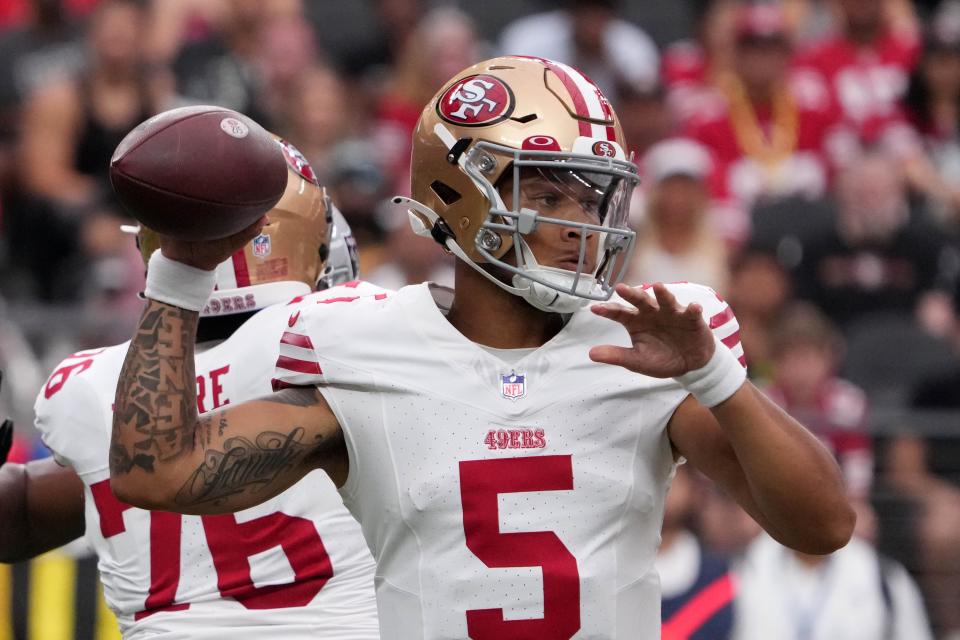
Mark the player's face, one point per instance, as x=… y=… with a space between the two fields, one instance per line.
x=560 y=195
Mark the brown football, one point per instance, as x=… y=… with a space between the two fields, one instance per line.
x=198 y=173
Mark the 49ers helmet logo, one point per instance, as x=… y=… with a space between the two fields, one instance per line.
x=476 y=101
x=297 y=161
x=604 y=149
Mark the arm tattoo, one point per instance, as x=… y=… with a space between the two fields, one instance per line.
x=245 y=466
x=156 y=407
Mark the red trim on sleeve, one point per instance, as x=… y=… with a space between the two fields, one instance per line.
x=721 y=318
x=298 y=365
x=731 y=340
x=296 y=339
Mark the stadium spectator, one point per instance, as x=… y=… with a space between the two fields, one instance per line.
x=696 y=585
x=72 y=127
x=676 y=242
x=70 y=130
x=46 y=48
x=316 y=114
x=771 y=135
x=287 y=50
x=645 y=116
x=588 y=35
x=225 y=67
x=444 y=42
x=807 y=352
x=691 y=65
x=923 y=466
x=760 y=287
x=865 y=67
x=396 y=24
x=359 y=186
x=878 y=257
x=932 y=106
x=788 y=595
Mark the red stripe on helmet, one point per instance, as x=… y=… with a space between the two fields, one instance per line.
x=579 y=102
x=240 y=268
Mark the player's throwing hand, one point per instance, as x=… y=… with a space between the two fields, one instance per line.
x=668 y=340
x=207 y=254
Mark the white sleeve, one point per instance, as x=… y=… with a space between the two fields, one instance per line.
x=309 y=333
x=718 y=315
x=73 y=423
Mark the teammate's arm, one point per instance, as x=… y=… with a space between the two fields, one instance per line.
x=41 y=508
x=41 y=504
x=164 y=457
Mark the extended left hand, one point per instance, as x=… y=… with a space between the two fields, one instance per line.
x=668 y=340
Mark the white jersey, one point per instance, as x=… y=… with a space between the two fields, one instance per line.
x=500 y=500
x=293 y=567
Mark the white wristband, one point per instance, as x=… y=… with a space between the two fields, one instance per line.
x=178 y=284
x=717 y=380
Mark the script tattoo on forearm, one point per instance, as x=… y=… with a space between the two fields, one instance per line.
x=156 y=405
x=244 y=466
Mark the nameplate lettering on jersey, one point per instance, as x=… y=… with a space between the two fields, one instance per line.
x=229 y=304
x=515 y=439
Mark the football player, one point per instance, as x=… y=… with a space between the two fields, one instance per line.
x=293 y=567
x=505 y=448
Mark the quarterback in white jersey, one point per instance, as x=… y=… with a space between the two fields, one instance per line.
x=293 y=567
x=506 y=445
x=492 y=487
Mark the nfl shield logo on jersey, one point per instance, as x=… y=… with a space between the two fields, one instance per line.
x=513 y=385
x=261 y=246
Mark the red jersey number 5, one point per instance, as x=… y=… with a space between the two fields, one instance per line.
x=480 y=483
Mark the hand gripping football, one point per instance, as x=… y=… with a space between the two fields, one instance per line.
x=198 y=173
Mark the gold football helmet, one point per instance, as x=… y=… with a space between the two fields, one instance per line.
x=306 y=246
x=496 y=124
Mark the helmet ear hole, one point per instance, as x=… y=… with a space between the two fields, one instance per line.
x=447 y=194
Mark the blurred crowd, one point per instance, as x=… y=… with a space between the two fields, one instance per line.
x=802 y=157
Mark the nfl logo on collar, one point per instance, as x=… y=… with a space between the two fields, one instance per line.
x=513 y=385
x=261 y=246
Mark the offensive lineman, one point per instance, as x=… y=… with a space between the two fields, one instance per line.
x=294 y=567
x=508 y=480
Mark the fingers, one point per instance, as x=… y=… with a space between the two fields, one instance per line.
x=239 y=240
x=637 y=296
x=609 y=354
x=665 y=299
x=615 y=312
x=661 y=300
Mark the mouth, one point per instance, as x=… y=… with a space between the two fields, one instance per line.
x=571 y=263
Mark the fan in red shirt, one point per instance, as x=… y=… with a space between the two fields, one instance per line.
x=773 y=134
x=867 y=66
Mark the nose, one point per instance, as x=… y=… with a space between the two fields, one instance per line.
x=575 y=233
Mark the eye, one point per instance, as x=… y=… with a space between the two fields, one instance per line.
x=548 y=200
